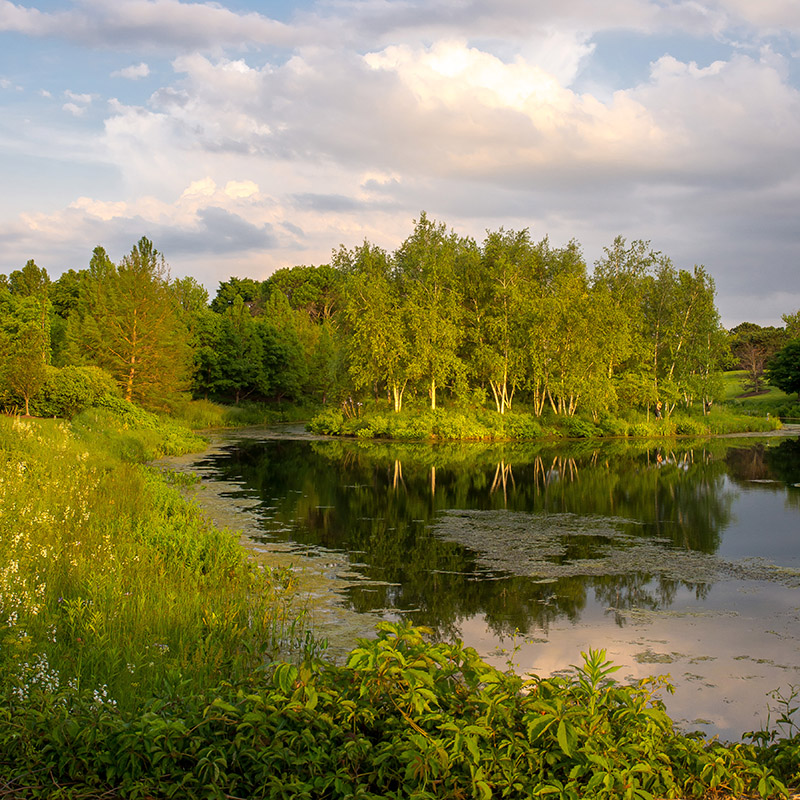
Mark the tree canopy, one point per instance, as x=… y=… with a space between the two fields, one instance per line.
x=502 y=320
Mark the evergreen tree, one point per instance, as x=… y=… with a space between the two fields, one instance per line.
x=128 y=323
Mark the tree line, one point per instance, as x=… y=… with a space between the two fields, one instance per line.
x=494 y=322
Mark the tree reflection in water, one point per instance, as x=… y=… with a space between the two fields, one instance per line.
x=559 y=522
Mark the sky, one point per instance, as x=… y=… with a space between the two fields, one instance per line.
x=242 y=137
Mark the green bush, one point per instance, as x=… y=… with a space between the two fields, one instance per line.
x=405 y=718
x=613 y=426
x=579 y=428
x=329 y=422
x=69 y=390
x=789 y=410
x=690 y=426
x=522 y=426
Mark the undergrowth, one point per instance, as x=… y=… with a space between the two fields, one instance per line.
x=404 y=718
x=453 y=423
x=111 y=582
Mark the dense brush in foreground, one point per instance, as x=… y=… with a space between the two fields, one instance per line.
x=405 y=718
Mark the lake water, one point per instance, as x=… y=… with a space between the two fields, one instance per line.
x=679 y=559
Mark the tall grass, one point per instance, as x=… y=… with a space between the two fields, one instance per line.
x=205 y=414
x=111 y=581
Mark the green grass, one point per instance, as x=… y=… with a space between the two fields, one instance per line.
x=773 y=401
x=111 y=581
x=734 y=389
x=202 y=415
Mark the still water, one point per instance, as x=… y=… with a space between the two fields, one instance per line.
x=679 y=559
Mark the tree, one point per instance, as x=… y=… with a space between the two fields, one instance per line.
x=494 y=281
x=753 y=346
x=426 y=263
x=24 y=368
x=286 y=355
x=240 y=353
x=376 y=318
x=784 y=368
x=620 y=280
x=792 y=324
x=248 y=289
x=128 y=323
x=315 y=290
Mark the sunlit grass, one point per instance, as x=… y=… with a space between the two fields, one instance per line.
x=110 y=580
x=734 y=390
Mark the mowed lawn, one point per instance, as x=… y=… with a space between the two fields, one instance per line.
x=734 y=390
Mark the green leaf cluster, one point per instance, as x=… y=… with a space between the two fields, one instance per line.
x=405 y=717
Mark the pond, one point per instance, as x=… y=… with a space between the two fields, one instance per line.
x=678 y=558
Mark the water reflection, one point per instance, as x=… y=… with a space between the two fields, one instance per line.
x=683 y=558
x=521 y=535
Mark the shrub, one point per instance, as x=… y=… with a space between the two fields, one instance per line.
x=690 y=426
x=521 y=426
x=69 y=390
x=613 y=426
x=640 y=429
x=405 y=717
x=579 y=428
x=328 y=422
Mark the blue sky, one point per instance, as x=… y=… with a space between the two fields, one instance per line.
x=243 y=137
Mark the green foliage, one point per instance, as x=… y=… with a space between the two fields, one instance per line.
x=454 y=423
x=780 y=736
x=523 y=426
x=328 y=422
x=113 y=588
x=68 y=390
x=581 y=428
x=128 y=321
x=404 y=718
x=783 y=370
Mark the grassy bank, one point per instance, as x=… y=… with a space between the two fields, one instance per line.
x=376 y=420
x=770 y=401
x=111 y=583
x=143 y=656
x=205 y=414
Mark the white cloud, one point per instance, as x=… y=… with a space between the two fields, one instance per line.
x=767 y=16
x=74 y=109
x=469 y=111
x=78 y=98
x=144 y=24
x=133 y=72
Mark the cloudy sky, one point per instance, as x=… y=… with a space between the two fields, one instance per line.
x=244 y=136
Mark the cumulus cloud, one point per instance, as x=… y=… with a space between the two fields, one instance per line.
x=78 y=98
x=375 y=110
x=133 y=72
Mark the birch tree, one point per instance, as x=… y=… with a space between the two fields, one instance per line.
x=426 y=262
